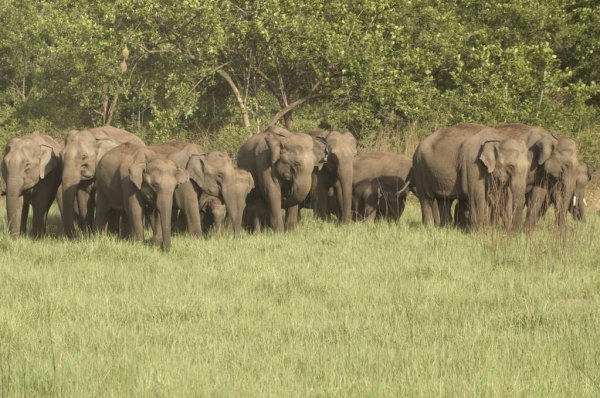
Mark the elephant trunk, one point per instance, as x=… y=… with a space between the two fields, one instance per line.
x=345 y=173
x=14 y=204
x=70 y=181
x=518 y=191
x=235 y=205
x=164 y=205
x=563 y=194
x=300 y=189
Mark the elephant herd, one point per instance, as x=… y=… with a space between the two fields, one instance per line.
x=107 y=180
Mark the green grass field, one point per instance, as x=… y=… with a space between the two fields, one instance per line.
x=370 y=309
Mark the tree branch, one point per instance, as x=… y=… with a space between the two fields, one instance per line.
x=290 y=107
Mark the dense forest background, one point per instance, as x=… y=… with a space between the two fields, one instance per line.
x=217 y=71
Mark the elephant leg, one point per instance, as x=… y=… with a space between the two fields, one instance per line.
x=187 y=201
x=125 y=227
x=444 y=208
x=25 y=214
x=537 y=200
x=321 y=201
x=114 y=221
x=460 y=214
x=479 y=216
x=41 y=203
x=135 y=215
x=338 y=199
x=291 y=218
x=274 y=203
x=427 y=210
x=102 y=214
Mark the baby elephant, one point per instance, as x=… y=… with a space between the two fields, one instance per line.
x=138 y=181
x=256 y=215
x=384 y=197
x=212 y=213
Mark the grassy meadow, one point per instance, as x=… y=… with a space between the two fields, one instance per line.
x=369 y=309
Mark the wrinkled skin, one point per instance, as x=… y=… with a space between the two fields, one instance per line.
x=479 y=166
x=211 y=173
x=81 y=153
x=138 y=181
x=212 y=213
x=256 y=215
x=552 y=174
x=380 y=184
x=379 y=198
x=237 y=191
x=578 y=205
x=31 y=169
x=281 y=164
x=337 y=149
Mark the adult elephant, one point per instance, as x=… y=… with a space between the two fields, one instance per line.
x=31 y=169
x=211 y=173
x=579 y=205
x=281 y=164
x=134 y=179
x=469 y=163
x=82 y=151
x=380 y=181
x=335 y=176
x=553 y=169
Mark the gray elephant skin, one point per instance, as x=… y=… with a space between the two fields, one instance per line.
x=137 y=181
x=80 y=155
x=380 y=184
x=483 y=168
x=281 y=164
x=211 y=173
x=31 y=169
x=334 y=179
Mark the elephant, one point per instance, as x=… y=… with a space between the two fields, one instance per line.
x=578 y=205
x=380 y=184
x=211 y=173
x=256 y=215
x=553 y=170
x=31 y=169
x=483 y=168
x=239 y=189
x=281 y=164
x=80 y=156
x=383 y=197
x=335 y=176
x=134 y=179
x=212 y=213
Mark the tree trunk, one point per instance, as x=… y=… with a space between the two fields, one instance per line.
x=238 y=96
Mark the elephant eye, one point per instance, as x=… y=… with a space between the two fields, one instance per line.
x=84 y=157
x=27 y=165
x=154 y=186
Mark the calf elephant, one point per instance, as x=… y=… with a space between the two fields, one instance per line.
x=137 y=180
x=335 y=176
x=212 y=213
x=281 y=164
x=379 y=198
x=380 y=184
x=81 y=153
x=31 y=169
x=479 y=166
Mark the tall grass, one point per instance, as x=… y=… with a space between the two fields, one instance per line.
x=368 y=309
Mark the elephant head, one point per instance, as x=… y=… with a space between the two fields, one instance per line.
x=81 y=153
x=292 y=160
x=340 y=150
x=391 y=197
x=235 y=193
x=506 y=163
x=213 y=211
x=214 y=174
x=560 y=169
x=27 y=160
x=578 y=205
x=156 y=178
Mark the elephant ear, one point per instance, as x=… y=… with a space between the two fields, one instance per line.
x=275 y=138
x=181 y=176
x=195 y=168
x=136 y=173
x=48 y=160
x=321 y=150
x=544 y=148
x=104 y=145
x=182 y=157
x=489 y=155
x=590 y=171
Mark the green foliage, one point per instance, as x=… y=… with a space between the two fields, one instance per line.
x=371 y=67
